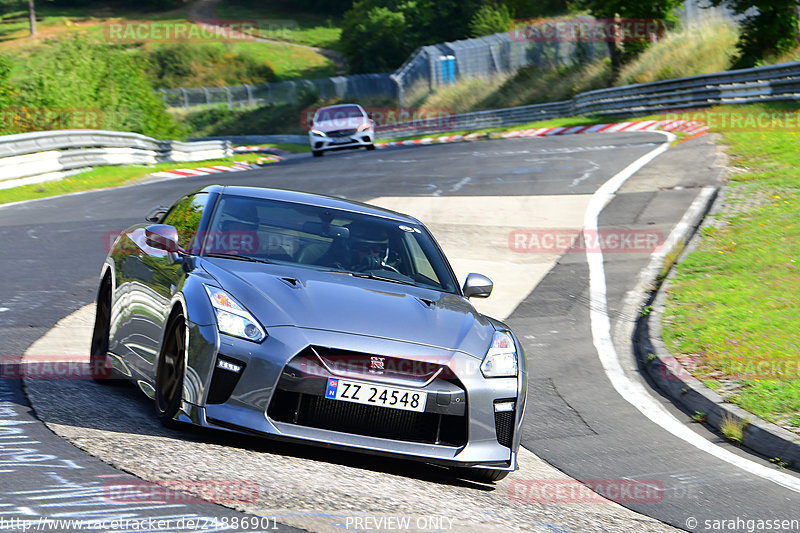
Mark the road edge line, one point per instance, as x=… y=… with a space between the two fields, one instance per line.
x=631 y=390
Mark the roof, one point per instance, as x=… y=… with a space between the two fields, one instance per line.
x=306 y=198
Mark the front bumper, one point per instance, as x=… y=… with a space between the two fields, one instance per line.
x=355 y=140
x=280 y=392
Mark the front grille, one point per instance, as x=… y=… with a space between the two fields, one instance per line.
x=504 y=426
x=341 y=133
x=382 y=422
x=360 y=365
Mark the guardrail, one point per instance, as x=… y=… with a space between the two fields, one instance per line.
x=52 y=153
x=746 y=86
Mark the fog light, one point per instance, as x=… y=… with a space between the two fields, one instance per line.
x=503 y=407
x=227 y=365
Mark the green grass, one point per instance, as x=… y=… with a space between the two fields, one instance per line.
x=285 y=59
x=699 y=49
x=104 y=177
x=734 y=303
x=280 y=23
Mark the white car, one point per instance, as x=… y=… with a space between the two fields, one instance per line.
x=341 y=126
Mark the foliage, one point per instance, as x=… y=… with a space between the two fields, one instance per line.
x=768 y=30
x=372 y=38
x=660 y=10
x=278 y=119
x=172 y=64
x=700 y=49
x=78 y=75
x=378 y=35
x=6 y=92
x=490 y=19
x=334 y=7
x=540 y=8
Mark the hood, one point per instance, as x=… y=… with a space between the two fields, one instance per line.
x=339 y=124
x=290 y=296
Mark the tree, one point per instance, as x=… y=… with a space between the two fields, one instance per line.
x=769 y=28
x=651 y=10
x=373 y=38
x=32 y=17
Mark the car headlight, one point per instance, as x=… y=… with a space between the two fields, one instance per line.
x=501 y=359
x=318 y=133
x=232 y=318
x=364 y=127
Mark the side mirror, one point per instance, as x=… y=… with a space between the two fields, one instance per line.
x=156 y=214
x=477 y=286
x=162 y=237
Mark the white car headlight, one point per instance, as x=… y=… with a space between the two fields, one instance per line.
x=501 y=359
x=232 y=318
x=364 y=127
x=318 y=133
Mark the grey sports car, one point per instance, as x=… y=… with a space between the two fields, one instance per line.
x=298 y=316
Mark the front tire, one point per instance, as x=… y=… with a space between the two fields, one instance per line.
x=370 y=147
x=99 y=366
x=170 y=372
x=317 y=153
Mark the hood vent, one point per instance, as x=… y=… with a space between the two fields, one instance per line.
x=426 y=302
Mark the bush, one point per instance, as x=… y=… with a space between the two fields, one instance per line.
x=278 y=119
x=373 y=38
x=182 y=65
x=78 y=75
x=6 y=93
x=490 y=20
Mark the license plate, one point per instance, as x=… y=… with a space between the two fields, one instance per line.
x=371 y=394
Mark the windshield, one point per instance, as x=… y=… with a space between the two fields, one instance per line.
x=329 y=114
x=327 y=239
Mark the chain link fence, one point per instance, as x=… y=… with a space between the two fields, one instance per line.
x=428 y=68
x=484 y=57
x=356 y=87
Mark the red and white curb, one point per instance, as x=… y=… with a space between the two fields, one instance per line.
x=691 y=128
x=245 y=149
x=201 y=171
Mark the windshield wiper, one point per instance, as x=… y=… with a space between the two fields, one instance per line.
x=239 y=257
x=371 y=275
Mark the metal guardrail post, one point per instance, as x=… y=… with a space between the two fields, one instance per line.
x=228 y=95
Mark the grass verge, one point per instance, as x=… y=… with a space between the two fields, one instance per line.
x=104 y=177
x=732 y=309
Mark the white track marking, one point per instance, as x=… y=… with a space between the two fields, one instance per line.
x=632 y=391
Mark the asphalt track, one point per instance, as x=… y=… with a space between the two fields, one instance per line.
x=576 y=421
